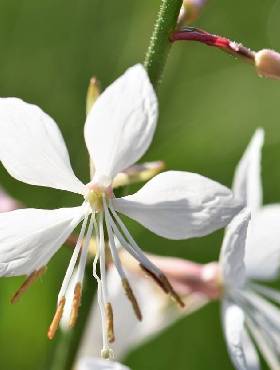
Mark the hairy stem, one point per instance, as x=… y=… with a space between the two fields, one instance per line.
x=160 y=45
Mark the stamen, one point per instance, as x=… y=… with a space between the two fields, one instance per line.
x=75 y=305
x=101 y=294
x=27 y=283
x=130 y=295
x=73 y=260
x=56 y=319
x=80 y=274
x=165 y=285
x=117 y=262
x=145 y=263
x=130 y=245
x=156 y=279
x=110 y=322
x=173 y=294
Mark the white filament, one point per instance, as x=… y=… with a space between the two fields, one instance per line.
x=131 y=245
x=83 y=257
x=73 y=260
x=113 y=248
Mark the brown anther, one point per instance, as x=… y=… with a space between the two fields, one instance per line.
x=110 y=322
x=27 y=283
x=56 y=319
x=155 y=278
x=165 y=285
x=130 y=295
x=75 y=305
x=173 y=294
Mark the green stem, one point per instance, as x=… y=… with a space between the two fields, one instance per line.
x=66 y=344
x=160 y=45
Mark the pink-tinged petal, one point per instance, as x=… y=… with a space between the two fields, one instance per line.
x=247 y=184
x=233 y=250
x=32 y=148
x=180 y=205
x=7 y=203
x=121 y=124
x=30 y=237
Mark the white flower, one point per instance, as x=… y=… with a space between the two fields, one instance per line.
x=246 y=254
x=118 y=130
x=247 y=308
x=91 y=363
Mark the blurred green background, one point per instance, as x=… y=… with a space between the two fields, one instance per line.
x=210 y=105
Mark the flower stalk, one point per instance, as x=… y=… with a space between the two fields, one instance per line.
x=160 y=45
x=222 y=43
x=265 y=61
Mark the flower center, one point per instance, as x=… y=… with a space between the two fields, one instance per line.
x=94 y=196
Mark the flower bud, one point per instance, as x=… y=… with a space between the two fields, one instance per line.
x=267 y=63
x=92 y=93
x=138 y=173
x=190 y=11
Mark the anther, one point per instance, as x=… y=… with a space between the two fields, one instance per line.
x=165 y=285
x=27 y=283
x=75 y=305
x=56 y=319
x=110 y=322
x=130 y=295
x=173 y=294
x=154 y=277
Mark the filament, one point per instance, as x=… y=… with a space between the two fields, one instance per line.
x=73 y=260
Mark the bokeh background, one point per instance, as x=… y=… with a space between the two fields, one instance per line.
x=210 y=105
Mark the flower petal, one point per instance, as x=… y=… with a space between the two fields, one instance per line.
x=262 y=257
x=233 y=250
x=247 y=183
x=32 y=148
x=250 y=352
x=264 y=324
x=180 y=205
x=233 y=324
x=121 y=124
x=30 y=237
x=91 y=363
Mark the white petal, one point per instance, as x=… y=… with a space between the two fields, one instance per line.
x=262 y=257
x=264 y=324
x=180 y=205
x=121 y=124
x=250 y=352
x=233 y=324
x=247 y=179
x=32 y=148
x=91 y=363
x=233 y=250
x=30 y=237
x=268 y=352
